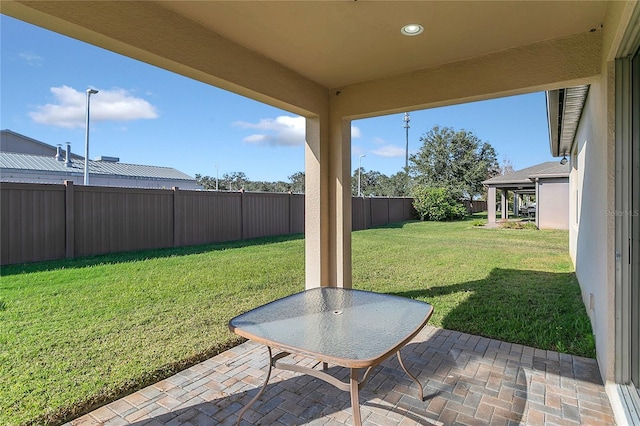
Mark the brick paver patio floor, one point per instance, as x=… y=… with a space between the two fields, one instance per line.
x=468 y=380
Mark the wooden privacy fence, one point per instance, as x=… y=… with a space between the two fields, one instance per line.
x=370 y=212
x=475 y=206
x=44 y=222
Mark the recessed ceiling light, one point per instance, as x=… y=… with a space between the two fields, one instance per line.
x=412 y=29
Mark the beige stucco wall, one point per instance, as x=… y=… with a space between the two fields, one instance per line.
x=590 y=235
x=553 y=203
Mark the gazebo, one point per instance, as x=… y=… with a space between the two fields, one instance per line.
x=548 y=182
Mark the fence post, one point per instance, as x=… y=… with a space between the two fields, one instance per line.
x=290 y=214
x=242 y=219
x=69 y=221
x=405 y=216
x=177 y=217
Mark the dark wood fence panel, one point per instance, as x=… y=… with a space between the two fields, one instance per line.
x=409 y=211
x=109 y=220
x=207 y=217
x=358 y=220
x=396 y=210
x=379 y=211
x=475 y=206
x=265 y=214
x=43 y=222
x=32 y=224
x=297 y=213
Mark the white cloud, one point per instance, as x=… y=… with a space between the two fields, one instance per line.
x=108 y=105
x=390 y=151
x=32 y=59
x=257 y=139
x=281 y=131
x=379 y=141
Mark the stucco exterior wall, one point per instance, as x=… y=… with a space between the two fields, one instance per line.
x=553 y=203
x=589 y=223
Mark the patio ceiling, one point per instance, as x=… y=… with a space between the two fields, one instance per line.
x=345 y=42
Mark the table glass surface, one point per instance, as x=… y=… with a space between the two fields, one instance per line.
x=346 y=324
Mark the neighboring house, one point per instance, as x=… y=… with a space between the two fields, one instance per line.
x=548 y=182
x=32 y=161
x=335 y=62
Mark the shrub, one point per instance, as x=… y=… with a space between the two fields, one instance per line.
x=437 y=204
x=519 y=225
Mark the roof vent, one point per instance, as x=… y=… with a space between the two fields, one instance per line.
x=59 y=153
x=106 y=159
x=67 y=157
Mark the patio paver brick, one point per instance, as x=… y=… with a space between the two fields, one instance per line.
x=467 y=380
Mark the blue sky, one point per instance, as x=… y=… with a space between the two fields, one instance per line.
x=145 y=115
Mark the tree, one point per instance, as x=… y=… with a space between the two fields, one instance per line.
x=297 y=183
x=437 y=204
x=207 y=182
x=235 y=181
x=507 y=166
x=371 y=182
x=397 y=185
x=456 y=160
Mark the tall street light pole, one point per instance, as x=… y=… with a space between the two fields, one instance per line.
x=406 y=150
x=359 y=169
x=86 y=138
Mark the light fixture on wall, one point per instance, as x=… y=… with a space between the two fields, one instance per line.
x=564 y=159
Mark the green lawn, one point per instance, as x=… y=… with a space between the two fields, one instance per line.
x=77 y=333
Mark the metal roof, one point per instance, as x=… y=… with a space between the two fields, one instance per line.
x=15 y=161
x=526 y=176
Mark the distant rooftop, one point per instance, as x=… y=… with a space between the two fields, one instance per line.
x=41 y=163
x=549 y=169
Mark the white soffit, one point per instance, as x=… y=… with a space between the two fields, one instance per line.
x=564 y=108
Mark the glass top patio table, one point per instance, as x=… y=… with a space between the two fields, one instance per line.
x=346 y=327
x=349 y=328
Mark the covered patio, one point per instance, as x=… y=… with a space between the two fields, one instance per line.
x=547 y=184
x=334 y=62
x=468 y=380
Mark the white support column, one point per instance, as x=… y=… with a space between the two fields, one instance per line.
x=537 y=203
x=491 y=204
x=516 y=204
x=504 y=200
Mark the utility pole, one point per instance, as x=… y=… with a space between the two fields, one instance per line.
x=406 y=149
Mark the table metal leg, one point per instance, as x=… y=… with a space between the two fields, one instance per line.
x=415 y=379
x=259 y=394
x=354 y=385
